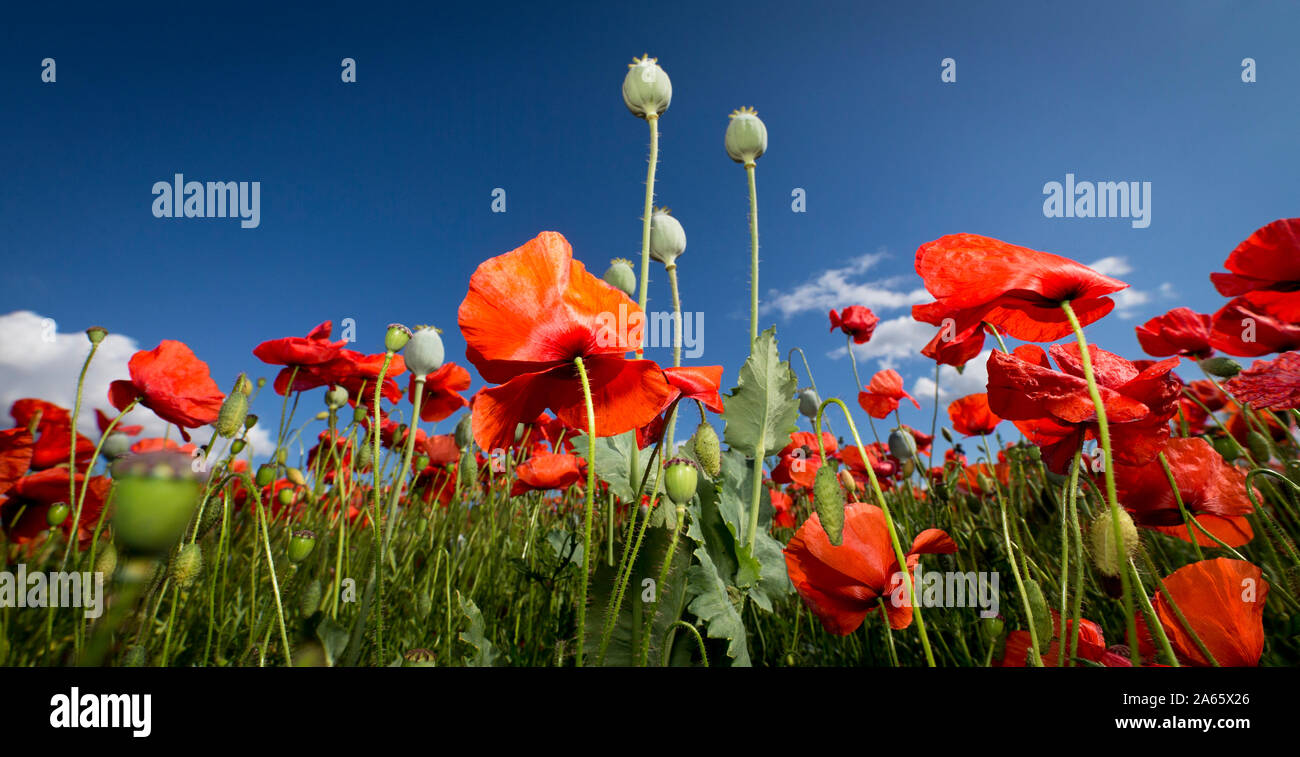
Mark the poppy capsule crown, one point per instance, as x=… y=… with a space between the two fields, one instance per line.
x=647 y=90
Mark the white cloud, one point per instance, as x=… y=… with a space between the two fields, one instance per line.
x=36 y=360
x=1114 y=265
x=896 y=339
x=1129 y=302
x=973 y=379
x=837 y=288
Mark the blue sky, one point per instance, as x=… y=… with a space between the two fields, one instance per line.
x=375 y=196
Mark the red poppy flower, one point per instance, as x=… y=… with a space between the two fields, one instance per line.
x=1233 y=531
x=971 y=415
x=701 y=382
x=1244 y=329
x=1181 y=331
x=53 y=426
x=1267 y=263
x=856 y=321
x=547 y=470
x=1269 y=384
x=24 y=512
x=923 y=440
x=16 y=447
x=883 y=393
x=882 y=464
x=1240 y=429
x=1090 y=646
x=1018 y=290
x=352 y=370
x=1054 y=410
x=1223 y=601
x=800 y=459
x=313 y=349
x=102 y=420
x=528 y=314
x=338 y=455
x=783 y=505
x=842 y=584
x=1205 y=482
x=158 y=444
x=969 y=480
x=173 y=383
x=1207 y=393
x=956 y=349
x=442 y=390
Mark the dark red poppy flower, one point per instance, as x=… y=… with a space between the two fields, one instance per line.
x=1181 y=331
x=173 y=383
x=1269 y=384
x=783 y=507
x=528 y=315
x=442 y=390
x=16 y=447
x=313 y=349
x=1018 y=290
x=1267 y=264
x=971 y=475
x=1244 y=329
x=856 y=321
x=1054 y=410
x=1223 y=601
x=159 y=444
x=547 y=470
x=800 y=459
x=882 y=464
x=971 y=415
x=1090 y=646
x=352 y=370
x=883 y=393
x=53 y=428
x=841 y=585
x=24 y=511
x=951 y=348
x=102 y=420
x=1205 y=482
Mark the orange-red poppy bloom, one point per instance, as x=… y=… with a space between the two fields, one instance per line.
x=173 y=383
x=442 y=390
x=1181 y=331
x=1270 y=384
x=16 y=447
x=528 y=316
x=1223 y=602
x=971 y=415
x=975 y=278
x=313 y=349
x=53 y=426
x=1266 y=265
x=841 y=585
x=783 y=509
x=1090 y=646
x=883 y=393
x=24 y=511
x=856 y=321
x=800 y=459
x=548 y=470
x=1245 y=328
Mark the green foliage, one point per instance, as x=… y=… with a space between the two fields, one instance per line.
x=761 y=410
x=485 y=653
x=627 y=638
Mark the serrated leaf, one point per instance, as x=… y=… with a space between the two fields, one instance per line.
x=614 y=458
x=565 y=544
x=761 y=410
x=626 y=640
x=485 y=652
x=334 y=638
x=712 y=604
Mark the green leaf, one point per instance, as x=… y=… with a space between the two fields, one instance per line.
x=625 y=643
x=761 y=410
x=713 y=604
x=565 y=544
x=615 y=457
x=334 y=638
x=485 y=653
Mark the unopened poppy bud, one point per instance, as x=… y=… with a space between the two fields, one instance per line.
x=1042 y=619
x=336 y=397
x=418 y=658
x=908 y=467
x=1259 y=447
x=423 y=605
x=186 y=566
x=156 y=494
x=1033 y=453
x=847 y=480
x=1222 y=367
x=947 y=435
x=1102 y=535
x=96 y=334
x=828 y=499
x=465 y=431
x=237 y=446
x=282 y=455
x=295 y=477
x=621 y=277
x=667 y=237
x=250 y=420
x=309 y=597
x=234 y=409
x=365 y=455
x=746 y=139
x=901 y=444
x=57 y=513
x=396 y=337
x=360 y=413
x=647 y=90
x=991 y=628
x=985 y=483
x=680 y=480
x=301 y=544
x=116 y=445
x=106 y=559
x=809 y=402
x=265 y=474
x=424 y=353
x=1227 y=447
x=708 y=450
x=421 y=462
x=467 y=469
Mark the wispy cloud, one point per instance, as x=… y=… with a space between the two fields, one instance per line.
x=844 y=286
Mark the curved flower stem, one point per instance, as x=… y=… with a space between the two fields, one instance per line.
x=663 y=580
x=671 y=268
x=1070 y=494
x=1153 y=620
x=653 y=119
x=753 y=255
x=72 y=455
x=631 y=547
x=80 y=499
x=591 y=465
x=270 y=564
x=1076 y=607
x=889 y=520
x=1182 y=509
x=1182 y=619
x=1035 y=658
x=1103 y=436
x=934 y=418
x=1268 y=519
x=704 y=655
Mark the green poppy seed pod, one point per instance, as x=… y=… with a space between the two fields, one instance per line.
x=251 y=420
x=1222 y=367
x=465 y=431
x=265 y=475
x=237 y=446
x=901 y=444
x=647 y=90
x=301 y=544
x=467 y=470
x=309 y=597
x=1033 y=453
x=336 y=397
x=186 y=566
x=281 y=455
x=295 y=477
x=1227 y=447
x=621 y=277
x=396 y=337
x=423 y=605
x=1042 y=619
x=809 y=402
x=680 y=480
x=828 y=499
x=116 y=445
x=667 y=237
x=1259 y=447
x=708 y=450
x=155 y=494
x=96 y=334
x=106 y=559
x=284 y=497
x=418 y=658
x=1102 y=536
x=360 y=413
x=746 y=138
x=422 y=462
x=365 y=454
x=57 y=513
x=233 y=411
x=947 y=435
x=991 y=628
x=424 y=353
